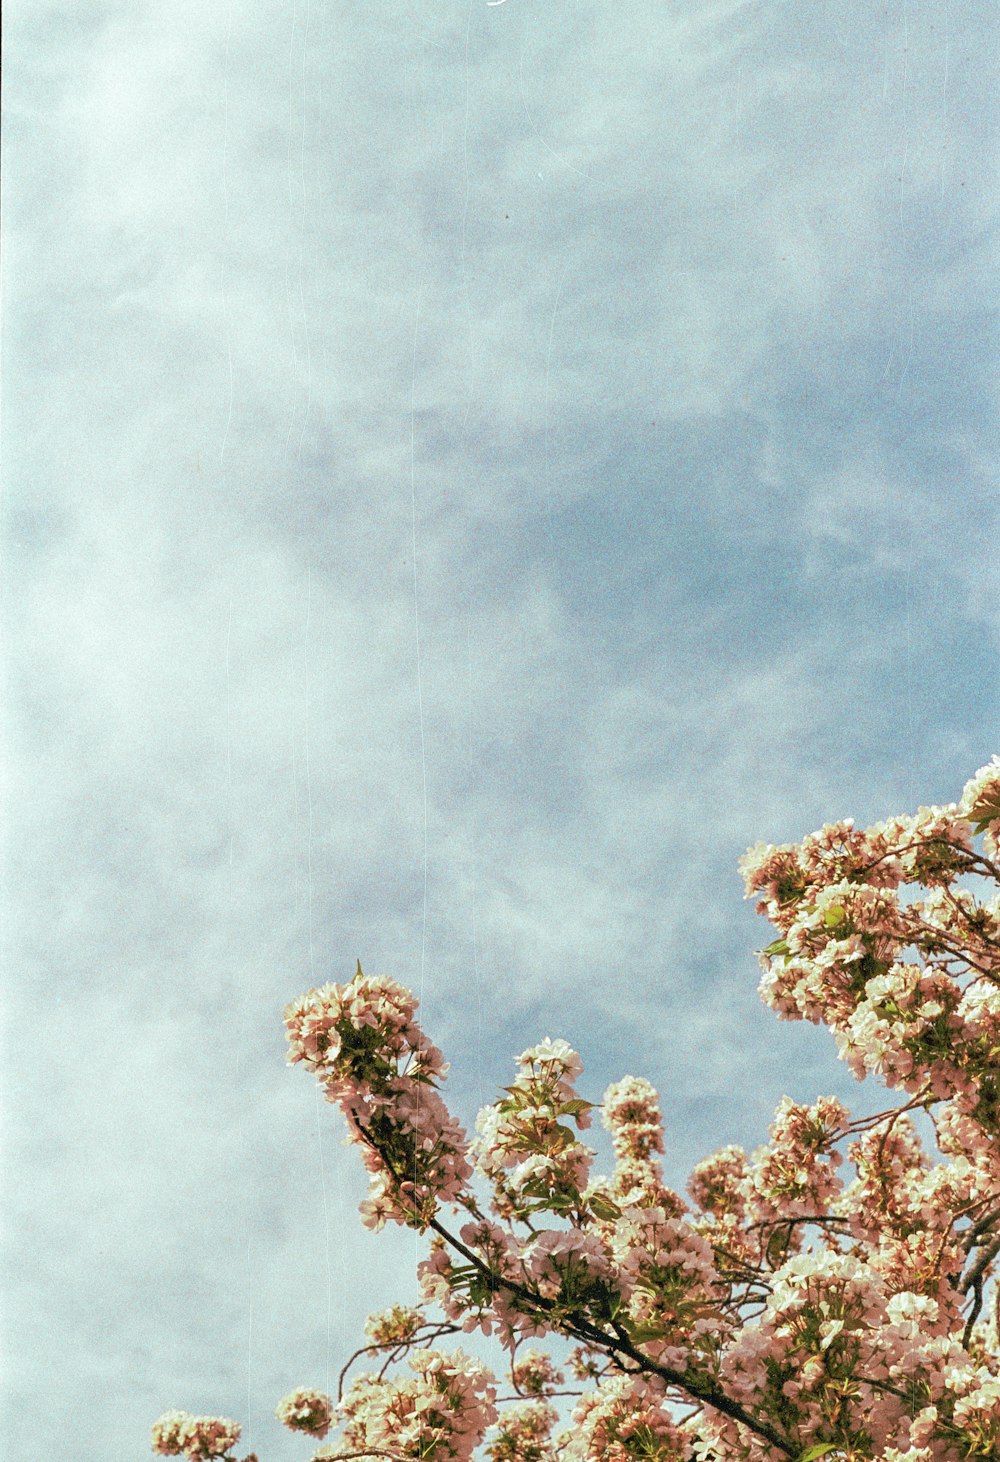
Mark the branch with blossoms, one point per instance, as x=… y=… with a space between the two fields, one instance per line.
x=823 y=1295
x=393 y=1335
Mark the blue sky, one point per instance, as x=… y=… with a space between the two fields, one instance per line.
x=469 y=472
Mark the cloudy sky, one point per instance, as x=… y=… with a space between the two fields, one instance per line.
x=469 y=472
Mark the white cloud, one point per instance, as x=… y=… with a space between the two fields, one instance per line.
x=656 y=333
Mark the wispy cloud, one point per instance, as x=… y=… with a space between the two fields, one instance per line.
x=470 y=473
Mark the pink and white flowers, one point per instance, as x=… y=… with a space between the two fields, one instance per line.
x=833 y=1294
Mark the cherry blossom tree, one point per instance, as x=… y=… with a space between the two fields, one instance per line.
x=830 y=1294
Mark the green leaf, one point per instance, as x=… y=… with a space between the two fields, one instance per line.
x=777 y=1248
x=985 y=809
x=835 y=914
x=602 y=1207
x=560 y=1137
x=779 y=946
x=639 y=1334
x=479 y=1290
x=819 y=1450
x=574 y=1108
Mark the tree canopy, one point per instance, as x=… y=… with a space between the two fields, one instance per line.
x=832 y=1293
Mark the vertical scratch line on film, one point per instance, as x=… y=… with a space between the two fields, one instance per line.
x=312 y=962
x=465 y=223
x=241 y=1120
x=326 y=1234
x=225 y=228
x=309 y=797
x=548 y=376
x=302 y=241
x=416 y=632
x=420 y=687
x=473 y=858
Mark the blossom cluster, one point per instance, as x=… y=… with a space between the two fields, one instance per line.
x=442 y=1411
x=305 y=1410
x=524 y=1434
x=623 y=1420
x=830 y=1293
x=534 y=1373
x=394 y=1326
x=178 y=1434
x=881 y=938
x=375 y=1062
x=525 y=1147
x=630 y=1111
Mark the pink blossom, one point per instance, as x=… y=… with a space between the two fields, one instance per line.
x=805 y=1306
x=305 y=1410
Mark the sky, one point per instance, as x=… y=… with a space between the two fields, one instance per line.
x=469 y=471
